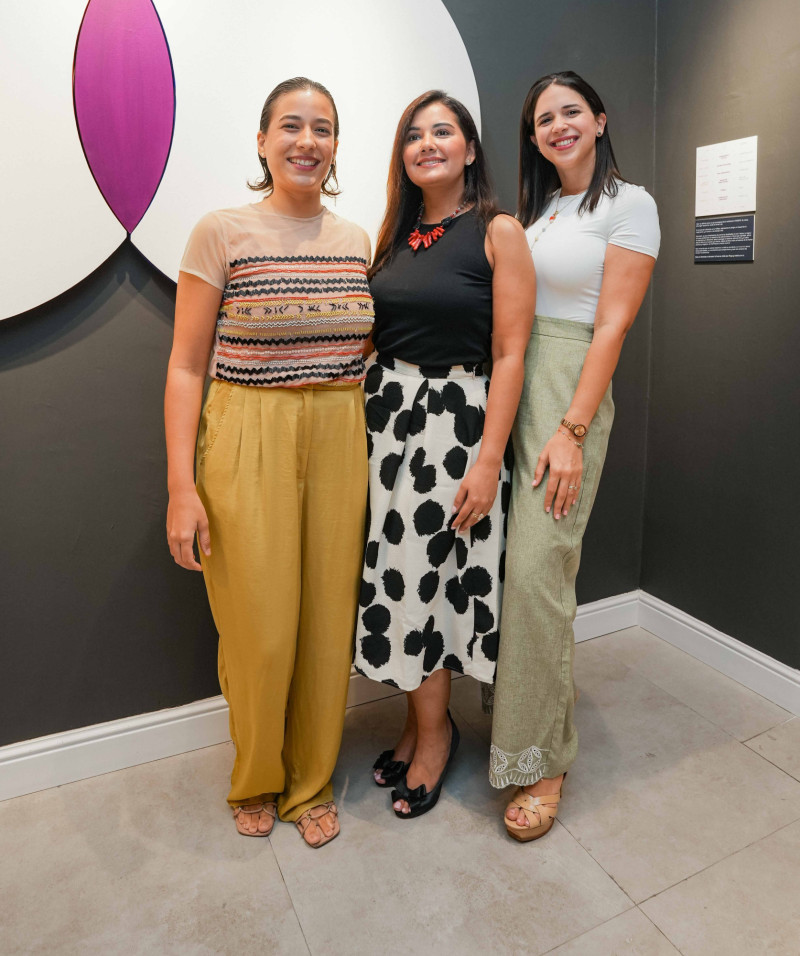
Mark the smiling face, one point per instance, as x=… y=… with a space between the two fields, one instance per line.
x=299 y=144
x=436 y=150
x=565 y=130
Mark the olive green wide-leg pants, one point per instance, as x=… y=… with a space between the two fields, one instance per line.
x=282 y=473
x=533 y=734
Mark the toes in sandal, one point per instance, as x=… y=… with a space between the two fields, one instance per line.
x=540 y=812
x=269 y=808
x=304 y=821
x=391 y=770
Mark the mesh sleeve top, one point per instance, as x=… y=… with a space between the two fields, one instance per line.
x=569 y=253
x=296 y=307
x=434 y=306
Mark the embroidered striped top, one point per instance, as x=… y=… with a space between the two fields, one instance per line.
x=296 y=308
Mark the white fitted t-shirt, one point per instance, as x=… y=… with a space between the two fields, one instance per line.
x=569 y=255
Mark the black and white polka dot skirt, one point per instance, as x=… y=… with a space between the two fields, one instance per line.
x=430 y=598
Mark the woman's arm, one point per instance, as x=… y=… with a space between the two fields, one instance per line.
x=626 y=276
x=513 y=306
x=196 y=309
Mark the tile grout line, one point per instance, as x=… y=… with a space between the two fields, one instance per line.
x=289 y=894
x=772 y=763
x=659 y=930
x=713 y=723
x=691 y=876
x=591 y=929
x=593 y=857
x=779 y=724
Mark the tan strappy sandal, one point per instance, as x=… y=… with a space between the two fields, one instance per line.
x=540 y=812
x=270 y=809
x=304 y=821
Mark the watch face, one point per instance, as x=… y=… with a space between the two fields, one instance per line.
x=579 y=430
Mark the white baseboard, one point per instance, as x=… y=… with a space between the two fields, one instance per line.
x=756 y=670
x=90 y=751
x=606 y=616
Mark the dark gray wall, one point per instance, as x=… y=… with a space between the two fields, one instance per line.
x=611 y=43
x=98 y=622
x=723 y=466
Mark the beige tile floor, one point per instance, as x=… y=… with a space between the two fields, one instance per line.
x=679 y=833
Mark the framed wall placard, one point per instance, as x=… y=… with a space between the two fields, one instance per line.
x=725 y=239
x=726 y=177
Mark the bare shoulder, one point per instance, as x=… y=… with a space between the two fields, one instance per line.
x=504 y=229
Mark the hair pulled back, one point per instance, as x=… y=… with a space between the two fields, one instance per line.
x=538 y=177
x=330 y=185
x=403 y=198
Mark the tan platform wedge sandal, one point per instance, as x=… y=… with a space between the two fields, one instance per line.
x=540 y=812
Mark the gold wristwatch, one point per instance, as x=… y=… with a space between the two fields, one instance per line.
x=577 y=430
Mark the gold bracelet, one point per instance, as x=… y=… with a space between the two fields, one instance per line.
x=574 y=442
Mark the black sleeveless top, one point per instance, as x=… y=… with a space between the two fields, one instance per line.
x=434 y=306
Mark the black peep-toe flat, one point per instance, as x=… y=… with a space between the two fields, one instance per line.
x=419 y=800
x=392 y=771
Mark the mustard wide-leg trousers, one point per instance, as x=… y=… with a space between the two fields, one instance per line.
x=282 y=473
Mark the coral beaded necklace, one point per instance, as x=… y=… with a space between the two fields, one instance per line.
x=427 y=239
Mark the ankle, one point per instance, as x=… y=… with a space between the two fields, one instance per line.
x=544 y=786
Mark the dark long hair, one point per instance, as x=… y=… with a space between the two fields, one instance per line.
x=538 y=177
x=296 y=84
x=403 y=198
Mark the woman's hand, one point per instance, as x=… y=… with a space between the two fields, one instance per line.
x=565 y=461
x=186 y=517
x=475 y=496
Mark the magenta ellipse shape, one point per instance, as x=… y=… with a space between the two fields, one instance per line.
x=124 y=102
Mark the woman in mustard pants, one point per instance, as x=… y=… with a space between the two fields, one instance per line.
x=273 y=304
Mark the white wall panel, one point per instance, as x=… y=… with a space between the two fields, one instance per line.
x=375 y=56
x=55 y=226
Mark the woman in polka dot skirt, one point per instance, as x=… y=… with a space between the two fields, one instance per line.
x=454 y=288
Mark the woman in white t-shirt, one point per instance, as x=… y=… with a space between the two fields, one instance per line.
x=594 y=240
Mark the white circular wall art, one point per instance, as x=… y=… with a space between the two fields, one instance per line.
x=56 y=228
x=141 y=65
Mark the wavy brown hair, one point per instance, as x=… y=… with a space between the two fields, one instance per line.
x=403 y=198
x=538 y=177
x=296 y=84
